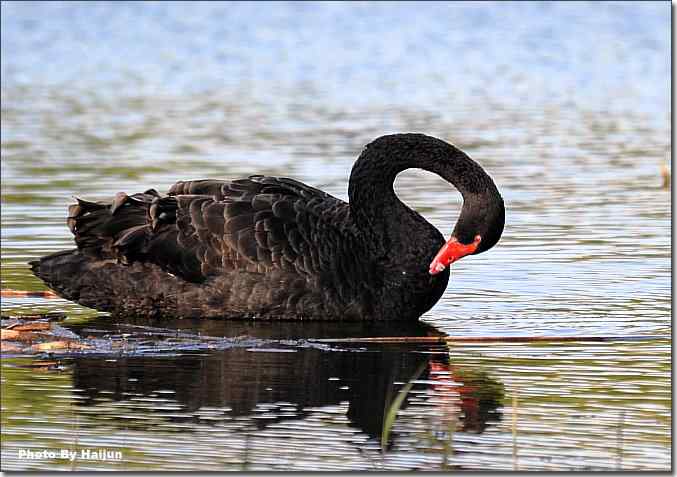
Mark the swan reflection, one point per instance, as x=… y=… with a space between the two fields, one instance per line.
x=242 y=378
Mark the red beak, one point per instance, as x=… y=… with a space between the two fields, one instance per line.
x=451 y=251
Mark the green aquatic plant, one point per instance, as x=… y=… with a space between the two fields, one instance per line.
x=390 y=411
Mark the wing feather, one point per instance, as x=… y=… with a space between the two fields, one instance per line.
x=207 y=227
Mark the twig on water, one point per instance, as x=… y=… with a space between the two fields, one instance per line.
x=487 y=339
x=8 y=293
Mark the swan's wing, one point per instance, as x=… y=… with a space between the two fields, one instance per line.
x=203 y=228
x=259 y=224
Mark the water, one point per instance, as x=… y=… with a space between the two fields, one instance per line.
x=567 y=107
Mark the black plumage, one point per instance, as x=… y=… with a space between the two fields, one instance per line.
x=274 y=248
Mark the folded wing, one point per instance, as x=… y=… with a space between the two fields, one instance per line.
x=204 y=228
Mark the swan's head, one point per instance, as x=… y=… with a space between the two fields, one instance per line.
x=479 y=228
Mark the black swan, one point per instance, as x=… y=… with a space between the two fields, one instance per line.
x=272 y=248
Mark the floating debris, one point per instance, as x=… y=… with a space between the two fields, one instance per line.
x=51 y=316
x=35 y=326
x=30 y=334
x=9 y=334
x=60 y=346
x=15 y=335
x=8 y=293
x=43 y=334
x=6 y=347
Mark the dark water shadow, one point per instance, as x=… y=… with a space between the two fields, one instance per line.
x=241 y=378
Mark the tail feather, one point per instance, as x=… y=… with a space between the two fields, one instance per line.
x=62 y=272
x=117 y=230
x=113 y=267
x=137 y=289
x=106 y=285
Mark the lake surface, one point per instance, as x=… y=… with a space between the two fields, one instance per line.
x=565 y=105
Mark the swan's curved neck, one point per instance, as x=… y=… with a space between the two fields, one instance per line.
x=375 y=207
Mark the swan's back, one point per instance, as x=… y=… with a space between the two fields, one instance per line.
x=262 y=247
